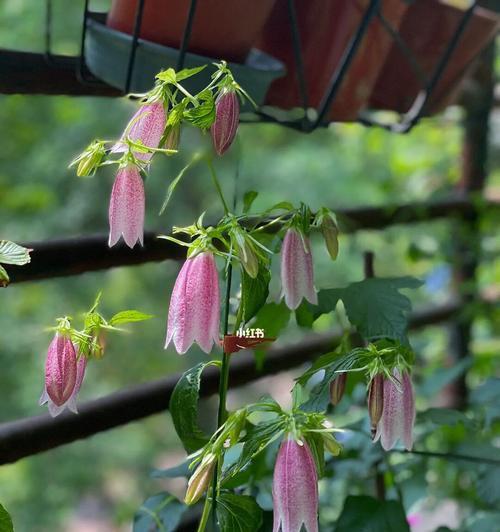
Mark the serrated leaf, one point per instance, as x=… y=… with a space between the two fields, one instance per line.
x=159 y=513
x=129 y=316
x=254 y=293
x=184 y=407
x=168 y=76
x=6 y=524
x=370 y=515
x=248 y=200
x=188 y=72
x=238 y=513
x=12 y=253
x=203 y=115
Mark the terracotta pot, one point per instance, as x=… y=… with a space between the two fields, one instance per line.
x=326 y=27
x=427 y=29
x=221 y=29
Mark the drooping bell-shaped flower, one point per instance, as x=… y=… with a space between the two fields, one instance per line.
x=70 y=404
x=60 y=369
x=297 y=270
x=147 y=126
x=194 y=312
x=398 y=413
x=295 y=488
x=126 y=207
x=227 y=117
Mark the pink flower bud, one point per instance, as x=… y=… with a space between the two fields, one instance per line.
x=295 y=489
x=60 y=369
x=70 y=404
x=398 y=414
x=147 y=126
x=194 y=312
x=297 y=270
x=126 y=207
x=227 y=116
x=337 y=388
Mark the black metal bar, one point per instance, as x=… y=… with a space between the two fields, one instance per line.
x=299 y=60
x=186 y=35
x=342 y=68
x=135 y=40
x=72 y=256
x=29 y=436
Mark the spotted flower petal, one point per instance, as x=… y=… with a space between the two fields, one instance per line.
x=60 y=369
x=227 y=116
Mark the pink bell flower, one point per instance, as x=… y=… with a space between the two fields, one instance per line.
x=227 y=117
x=194 y=312
x=60 y=369
x=70 y=403
x=126 y=207
x=295 y=489
x=147 y=125
x=398 y=413
x=297 y=270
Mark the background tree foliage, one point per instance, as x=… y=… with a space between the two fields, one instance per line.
x=106 y=477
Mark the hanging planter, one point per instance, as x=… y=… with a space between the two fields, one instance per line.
x=107 y=54
x=221 y=29
x=427 y=28
x=325 y=29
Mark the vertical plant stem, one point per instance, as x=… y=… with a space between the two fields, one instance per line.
x=223 y=385
x=217 y=186
x=205 y=515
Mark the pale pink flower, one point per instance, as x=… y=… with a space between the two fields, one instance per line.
x=60 y=369
x=147 y=125
x=398 y=413
x=70 y=403
x=126 y=207
x=295 y=488
x=194 y=312
x=227 y=117
x=297 y=270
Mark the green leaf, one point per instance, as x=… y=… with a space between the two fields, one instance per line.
x=367 y=514
x=4 y=277
x=440 y=377
x=129 y=316
x=175 y=182
x=11 y=253
x=254 y=293
x=159 y=513
x=317 y=446
x=168 y=76
x=6 y=524
x=184 y=408
x=188 y=72
x=248 y=200
x=203 y=115
x=488 y=486
x=445 y=416
x=181 y=470
x=238 y=513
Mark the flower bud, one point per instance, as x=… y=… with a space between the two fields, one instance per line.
x=331 y=444
x=227 y=116
x=337 y=387
x=330 y=234
x=172 y=137
x=376 y=398
x=249 y=260
x=60 y=369
x=200 y=480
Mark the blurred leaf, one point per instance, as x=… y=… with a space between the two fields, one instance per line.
x=362 y=513
x=443 y=376
x=159 y=513
x=184 y=408
x=129 y=316
x=273 y=318
x=445 y=416
x=11 y=253
x=248 y=200
x=181 y=470
x=254 y=293
x=5 y=521
x=238 y=513
x=488 y=485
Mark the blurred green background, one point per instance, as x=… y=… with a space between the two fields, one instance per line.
x=100 y=482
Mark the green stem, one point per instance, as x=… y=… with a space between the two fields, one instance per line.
x=205 y=515
x=217 y=185
x=223 y=385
